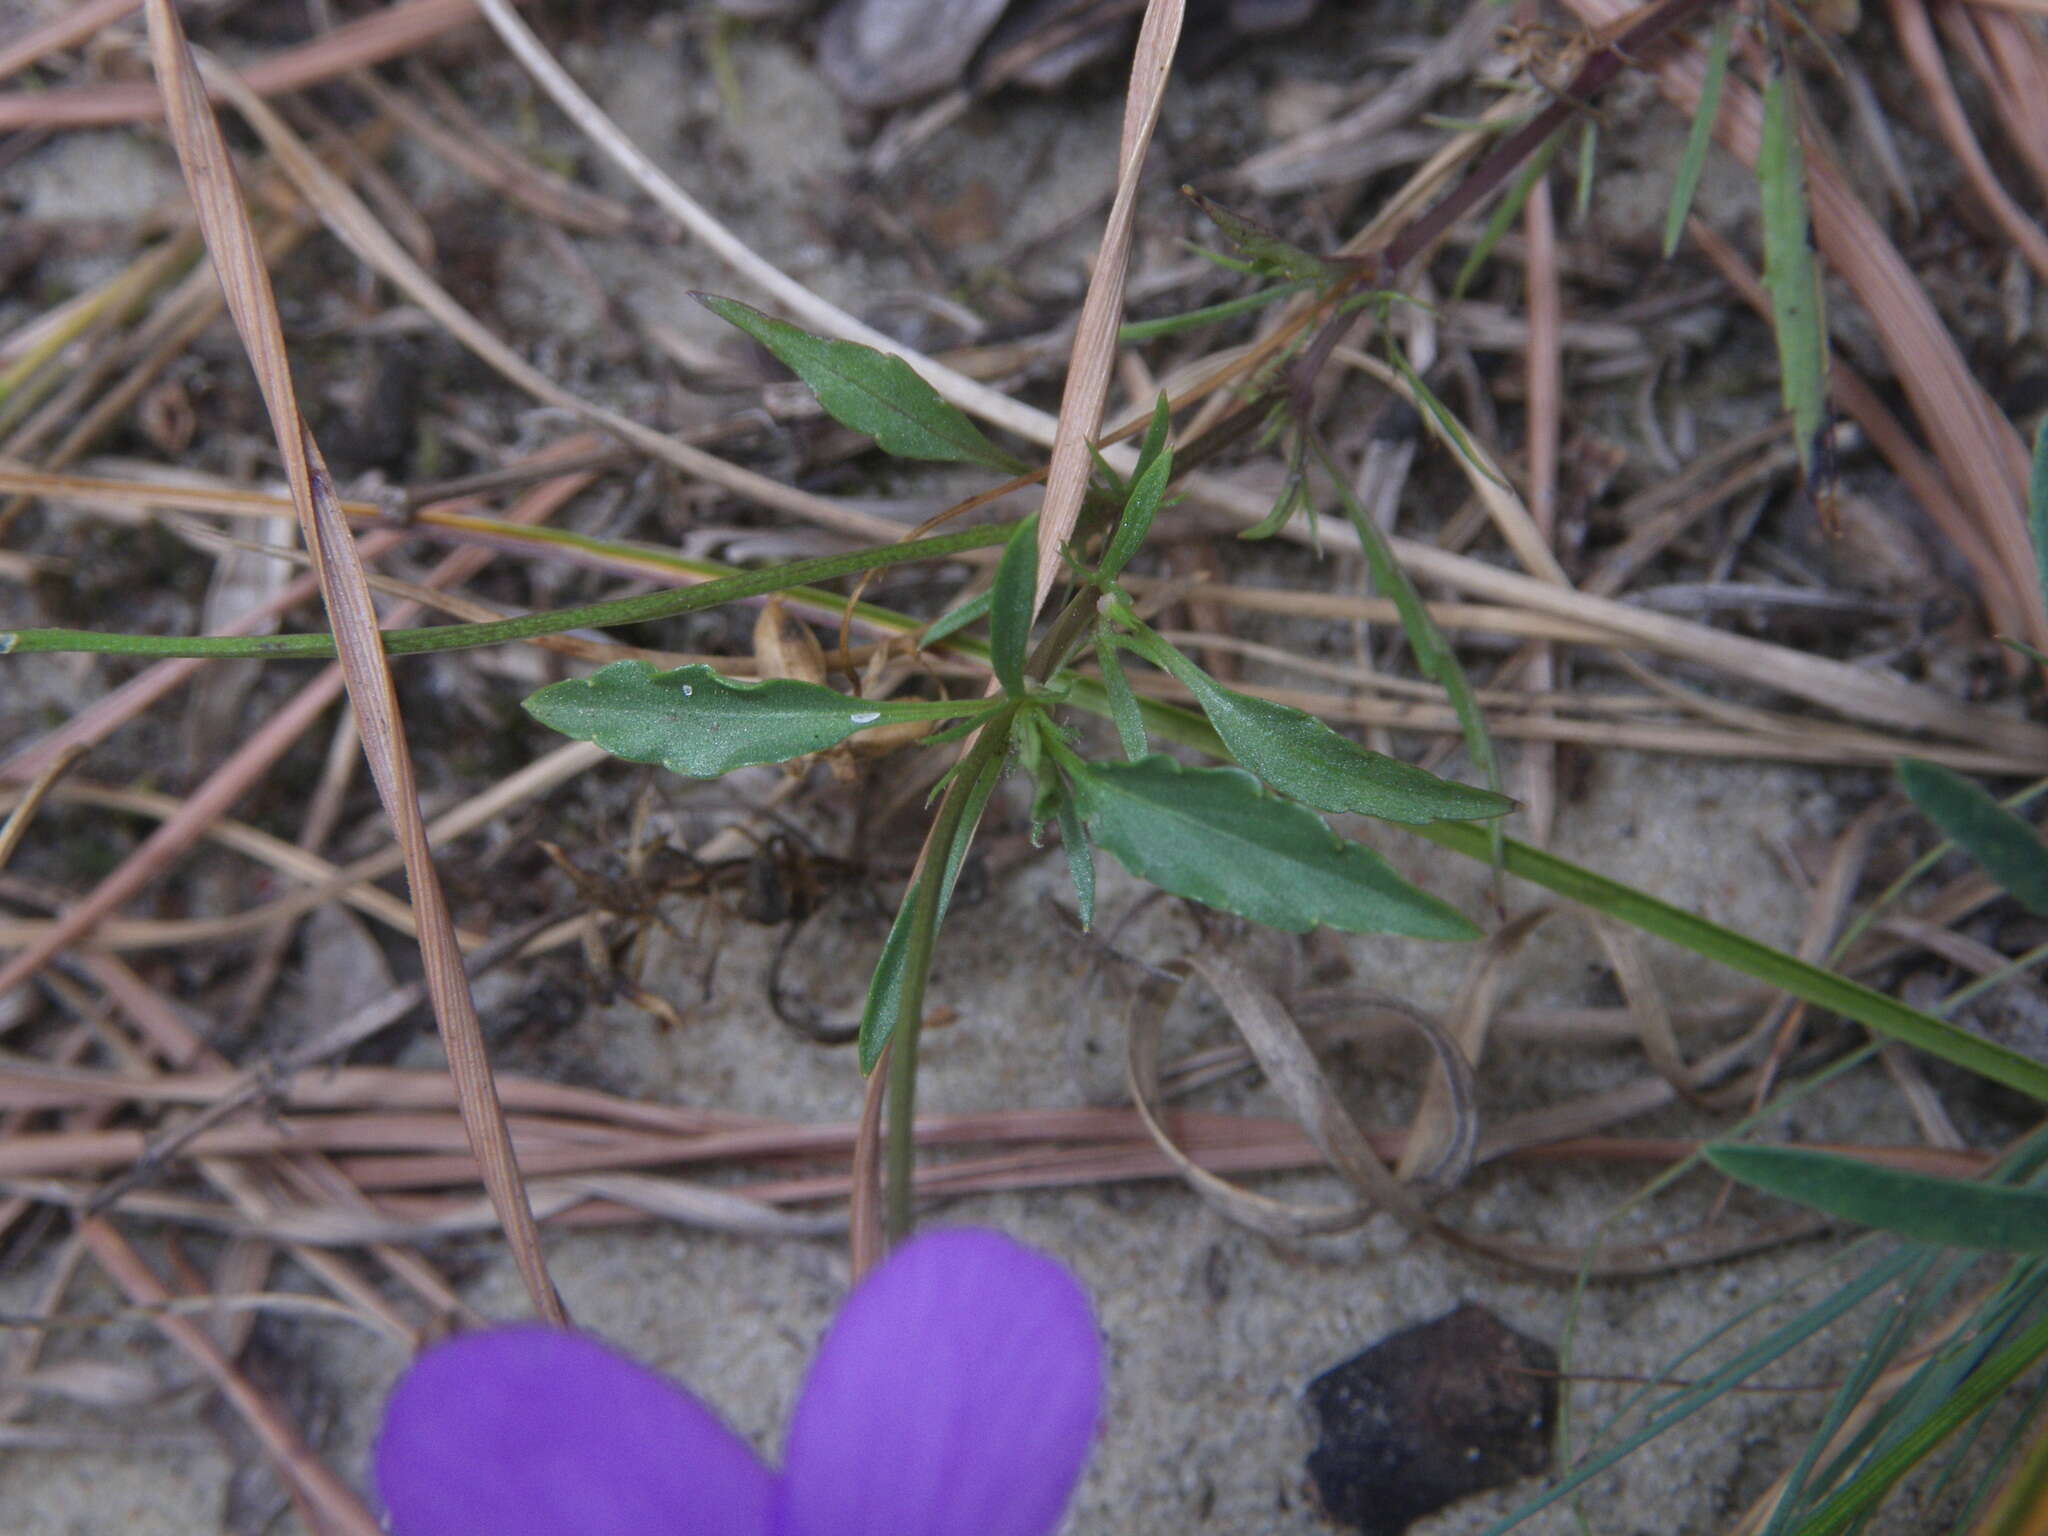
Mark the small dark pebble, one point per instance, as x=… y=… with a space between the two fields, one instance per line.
x=1430 y=1415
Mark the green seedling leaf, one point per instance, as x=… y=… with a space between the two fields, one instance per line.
x=1300 y=756
x=1589 y=154
x=884 y=1007
x=1283 y=509
x=976 y=607
x=1080 y=860
x=1694 y=160
x=1148 y=490
x=1506 y=213
x=1791 y=276
x=1158 y=435
x=1433 y=654
x=870 y=391
x=696 y=722
x=1011 y=603
x=1123 y=704
x=1446 y=420
x=1922 y=1207
x=1211 y=314
x=1266 y=251
x=2008 y=848
x=1214 y=835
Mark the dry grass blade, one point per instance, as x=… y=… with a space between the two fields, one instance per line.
x=1092 y=359
x=1290 y=1066
x=24 y=812
x=385 y=33
x=245 y=281
x=1916 y=37
x=977 y=398
x=337 y=1504
x=1445 y=1124
x=1971 y=437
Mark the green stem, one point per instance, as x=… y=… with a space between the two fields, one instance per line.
x=787 y=579
x=929 y=892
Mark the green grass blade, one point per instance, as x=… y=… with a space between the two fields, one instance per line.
x=1977 y=1392
x=1694 y=160
x=1684 y=1404
x=1509 y=209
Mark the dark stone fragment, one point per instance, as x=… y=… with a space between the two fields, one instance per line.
x=1428 y=1416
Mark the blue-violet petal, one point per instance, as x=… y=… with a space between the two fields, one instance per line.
x=530 y=1431
x=956 y=1395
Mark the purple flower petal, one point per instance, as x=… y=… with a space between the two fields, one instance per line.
x=955 y=1396
x=538 y=1432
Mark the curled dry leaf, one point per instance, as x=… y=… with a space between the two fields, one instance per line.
x=1290 y=1066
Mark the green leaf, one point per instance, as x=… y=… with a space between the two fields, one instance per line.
x=956 y=619
x=884 y=1007
x=1694 y=160
x=1080 y=860
x=2009 y=849
x=1505 y=214
x=1283 y=509
x=1148 y=490
x=1266 y=250
x=1215 y=836
x=1433 y=654
x=1300 y=756
x=1210 y=314
x=870 y=391
x=1013 y=599
x=1791 y=276
x=1922 y=1207
x=1124 y=712
x=695 y=722
x=1158 y=435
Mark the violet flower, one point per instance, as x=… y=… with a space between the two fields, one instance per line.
x=955 y=1395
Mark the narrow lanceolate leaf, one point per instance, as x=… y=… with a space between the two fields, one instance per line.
x=1011 y=602
x=694 y=721
x=1157 y=432
x=1080 y=860
x=1950 y=1213
x=1694 y=160
x=2009 y=849
x=870 y=391
x=1791 y=276
x=1215 y=836
x=1123 y=704
x=1505 y=214
x=1148 y=490
x=1300 y=756
x=976 y=607
x=883 y=1010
